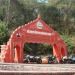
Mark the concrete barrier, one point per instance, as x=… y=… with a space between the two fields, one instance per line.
x=36 y=69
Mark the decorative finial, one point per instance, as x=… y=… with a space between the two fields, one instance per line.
x=39 y=16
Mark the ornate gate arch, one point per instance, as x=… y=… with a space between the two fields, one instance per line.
x=36 y=31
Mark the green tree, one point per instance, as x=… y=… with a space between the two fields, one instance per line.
x=3 y=32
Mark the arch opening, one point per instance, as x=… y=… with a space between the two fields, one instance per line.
x=37 y=49
x=38 y=53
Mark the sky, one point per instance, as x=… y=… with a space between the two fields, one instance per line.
x=42 y=1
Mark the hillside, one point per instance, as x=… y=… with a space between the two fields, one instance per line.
x=58 y=14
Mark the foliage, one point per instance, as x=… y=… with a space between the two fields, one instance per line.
x=37 y=49
x=3 y=32
x=69 y=43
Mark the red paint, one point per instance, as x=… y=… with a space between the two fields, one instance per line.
x=36 y=31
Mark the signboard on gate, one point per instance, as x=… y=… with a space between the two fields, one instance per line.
x=39 y=33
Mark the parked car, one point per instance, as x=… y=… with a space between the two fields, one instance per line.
x=72 y=58
x=68 y=60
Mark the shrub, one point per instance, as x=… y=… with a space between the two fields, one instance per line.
x=69 y=43
x=3 y=32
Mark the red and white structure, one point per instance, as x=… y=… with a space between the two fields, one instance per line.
x=36 y=31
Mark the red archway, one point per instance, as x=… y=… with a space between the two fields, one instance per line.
x=36 y=31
